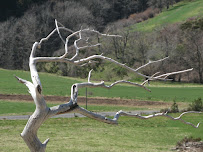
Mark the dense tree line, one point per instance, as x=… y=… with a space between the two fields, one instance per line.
x=107 y=10
x=16 y=8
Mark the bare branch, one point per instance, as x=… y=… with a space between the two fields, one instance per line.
x=46 y=142
x=118 y=114
x=27 y=83
x=128 y=82
x=80 y=61
x=149 y=78
x=57 y=28
x=121 y=113
x=47 y=38
x=172 y=73
x=151 y=62
x=63 y=108
x=89 y=76
x=89 y=62
x=75 y=87
x=95 y=116
x=77 y=34
x=127 y=67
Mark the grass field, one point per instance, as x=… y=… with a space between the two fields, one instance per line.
x=179 y=13
x=27 y=108
x=87 y=135
x=57 y=85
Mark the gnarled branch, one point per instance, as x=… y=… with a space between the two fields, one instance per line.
x=121 y=113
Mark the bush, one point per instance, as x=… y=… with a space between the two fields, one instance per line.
x=173 y=109
x=187 y=139
x=139 y=17
x=196 y=105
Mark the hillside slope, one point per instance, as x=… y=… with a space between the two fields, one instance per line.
x=178 y=13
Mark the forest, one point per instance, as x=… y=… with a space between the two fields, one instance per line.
x=22 y=22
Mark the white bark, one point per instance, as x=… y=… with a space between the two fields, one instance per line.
x=121 y=113
x=43 y=112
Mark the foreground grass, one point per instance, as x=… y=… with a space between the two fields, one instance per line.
x=56 y=85
x=87 y=135
x=179 y=13
x=27 y=108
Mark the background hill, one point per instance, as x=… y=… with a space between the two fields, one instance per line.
x=178 y=13
x=150 y=29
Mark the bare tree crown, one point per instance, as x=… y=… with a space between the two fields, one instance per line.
x=43 y=112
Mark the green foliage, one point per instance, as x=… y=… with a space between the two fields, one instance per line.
x=51 y=67
x=196 y=105
x=109 y=72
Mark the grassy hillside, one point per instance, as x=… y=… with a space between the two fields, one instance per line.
x=57 y=85
x=178 y=13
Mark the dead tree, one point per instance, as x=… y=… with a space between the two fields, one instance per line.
x=43 y=112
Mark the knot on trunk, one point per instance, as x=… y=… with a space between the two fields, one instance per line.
x=39 y=89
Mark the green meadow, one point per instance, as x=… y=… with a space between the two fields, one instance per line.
x=60 y=86
x=27 y=108
x=87 y=135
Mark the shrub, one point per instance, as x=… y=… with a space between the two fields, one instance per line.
x=150 y=12
x=139 y=17
x=187 y=139
x=174 y=107
x=196 y=105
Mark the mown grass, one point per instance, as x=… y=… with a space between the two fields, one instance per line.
x=179 y=94
x=87 y=135
x=178 y=13
x=52 y=84
x=57 y=85
x=27 y=108
x=18 y=108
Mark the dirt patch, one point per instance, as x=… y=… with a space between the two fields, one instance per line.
x=82 y=100
x=190 y=144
